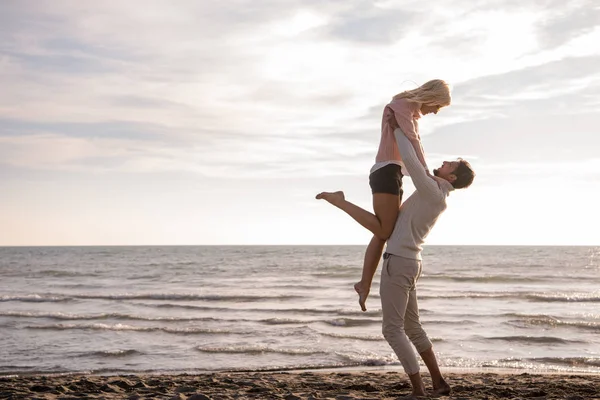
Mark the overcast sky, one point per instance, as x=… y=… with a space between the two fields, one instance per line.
x=196 y=122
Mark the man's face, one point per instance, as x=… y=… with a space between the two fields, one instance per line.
x=446 y=171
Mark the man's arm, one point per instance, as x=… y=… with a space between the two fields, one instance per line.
x=422 y=181
x=398 y=119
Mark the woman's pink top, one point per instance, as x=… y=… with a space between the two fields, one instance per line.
x=407 y=113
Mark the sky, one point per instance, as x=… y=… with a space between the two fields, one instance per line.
x=196 y=122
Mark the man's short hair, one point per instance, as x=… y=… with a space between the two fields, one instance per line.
x=464 y=175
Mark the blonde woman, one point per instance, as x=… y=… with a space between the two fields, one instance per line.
x=385 y=177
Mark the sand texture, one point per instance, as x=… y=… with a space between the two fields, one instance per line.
x=295 y=386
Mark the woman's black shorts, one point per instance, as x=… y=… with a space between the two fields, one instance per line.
x=387 y=179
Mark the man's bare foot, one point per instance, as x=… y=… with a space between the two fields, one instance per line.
x=441 y=388
x=363 y=293
x=415 y=395
x=335 y=198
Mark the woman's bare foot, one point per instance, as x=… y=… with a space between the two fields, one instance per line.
x=335 y=198
x=363 y=292
x=441 y=388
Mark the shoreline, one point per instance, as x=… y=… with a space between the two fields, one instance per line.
x=340 y=384
x=316 y=370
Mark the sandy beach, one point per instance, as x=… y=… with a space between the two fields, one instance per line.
x=296 y=385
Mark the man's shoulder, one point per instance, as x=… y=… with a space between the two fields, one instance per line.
x=436 y=195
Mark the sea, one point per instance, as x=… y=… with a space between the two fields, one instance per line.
x=199 y=309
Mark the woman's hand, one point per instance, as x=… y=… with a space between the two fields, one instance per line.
x=391 y=120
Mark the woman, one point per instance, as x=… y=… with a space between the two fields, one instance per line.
x=385 y=178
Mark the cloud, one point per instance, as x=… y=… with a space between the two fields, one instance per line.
x=107 y=129
x=542 y=78
x=568 y=88
x=563 y=25
x=293 y=81
x=370 y=24
x=560 y=138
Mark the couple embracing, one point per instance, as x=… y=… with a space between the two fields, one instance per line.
x=404 y=226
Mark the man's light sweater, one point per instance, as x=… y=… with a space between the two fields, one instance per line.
x=421 y=210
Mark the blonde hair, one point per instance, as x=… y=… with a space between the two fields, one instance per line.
x=436 y=92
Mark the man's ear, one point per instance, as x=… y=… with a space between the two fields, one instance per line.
x=452 y=178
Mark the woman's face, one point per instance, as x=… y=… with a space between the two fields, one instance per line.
x=428 y=109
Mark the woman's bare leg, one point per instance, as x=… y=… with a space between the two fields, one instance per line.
x=381 y=224
x=386 y=208
x=372 y=257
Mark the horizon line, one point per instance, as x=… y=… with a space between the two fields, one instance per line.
x=293 y=245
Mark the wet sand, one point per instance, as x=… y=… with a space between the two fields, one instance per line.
x=296 y=385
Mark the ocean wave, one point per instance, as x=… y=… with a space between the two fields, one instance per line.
x=501 y=278
x=36 y=298
x=369 y=338
x=188 y=297
x=368 y=359
x=335 y=274
x=529 y=296
x=303 y=311
x=293 y=321
x=448 y=322
x=472 y=295
x=169 y=264
x=112 y=353
x=287 y=286
x=572 y=362
x=148 y=296
x=484 y=279
x=14 y=371
x=142 y=277
x=350 y=322
x=526 y=316
x=341 y=322
x=257 y=349
x=563 y=298
x=268 y=321
x=554 y=322
x=125 y=327
x=87 y=317
x=523 y=320
x=309 y=311
x=64 y=273
x=282 y=321
x=534 y=339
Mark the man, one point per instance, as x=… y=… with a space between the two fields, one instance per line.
x=402 y=259
x=402 y=262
